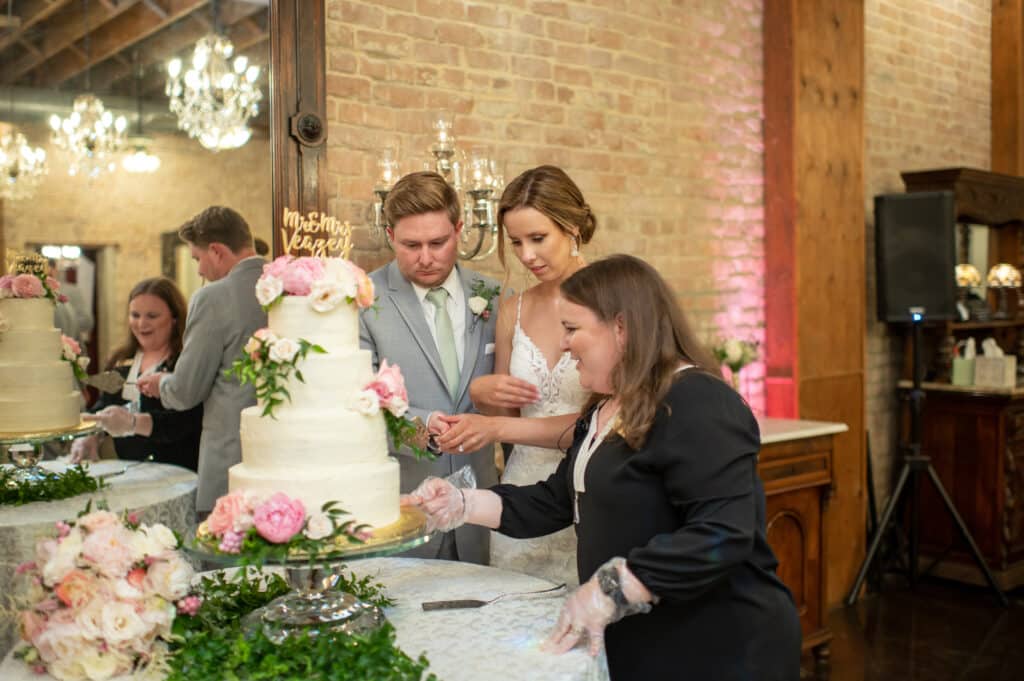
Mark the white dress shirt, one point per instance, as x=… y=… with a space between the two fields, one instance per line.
x=456 y=307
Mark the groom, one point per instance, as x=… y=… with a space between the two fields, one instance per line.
x=424 y=324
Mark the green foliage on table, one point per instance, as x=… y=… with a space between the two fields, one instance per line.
x=212 y=645
x=52 y=487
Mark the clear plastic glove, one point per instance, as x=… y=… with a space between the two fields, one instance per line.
x=590 y=609
x=117 y=421
x=443 y=503
x=85 y=449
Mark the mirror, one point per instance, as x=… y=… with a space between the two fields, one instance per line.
x=125 y=223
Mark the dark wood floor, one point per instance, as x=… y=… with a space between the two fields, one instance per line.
x=941 y=631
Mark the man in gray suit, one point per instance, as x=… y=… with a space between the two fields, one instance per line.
x=423 y=323
x=221 y=317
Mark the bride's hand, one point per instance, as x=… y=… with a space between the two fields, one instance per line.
x=467 y=433
x=502 y=390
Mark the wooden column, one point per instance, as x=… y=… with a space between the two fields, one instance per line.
x=814 y=245
x=298 y=109
x=1008 y=86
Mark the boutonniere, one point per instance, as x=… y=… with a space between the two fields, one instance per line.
x=482 y=301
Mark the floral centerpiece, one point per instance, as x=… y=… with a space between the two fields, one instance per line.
x=109 y=589
x=326 y=283
x=735 y=353
x=258 y=526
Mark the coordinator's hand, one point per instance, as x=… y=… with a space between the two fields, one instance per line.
x=502 y=390
x=85 y=449
x=117 y=421
x=467 y=433
x=150 y=385
x=598 y=602
x=443 y=503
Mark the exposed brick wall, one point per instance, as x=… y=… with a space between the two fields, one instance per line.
x=927 y=105
x=132 y=211
x=654 y=110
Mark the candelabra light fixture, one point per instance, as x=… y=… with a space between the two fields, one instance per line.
x=216 y=96
x=22 y=166
x=91 y=136
x=476 y=176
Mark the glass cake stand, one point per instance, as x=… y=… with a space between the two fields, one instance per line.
x=314 y=606
x=25 y=449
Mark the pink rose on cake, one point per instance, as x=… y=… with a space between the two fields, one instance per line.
x=326 y=282
x=27 y=286
x=390 y=388
x=279 y=518
x=6 y=285
x=283 y=350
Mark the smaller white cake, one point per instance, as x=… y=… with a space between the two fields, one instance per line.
x=37 y=388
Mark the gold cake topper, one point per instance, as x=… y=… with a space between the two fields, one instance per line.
x=315 y=234
x=27 y=263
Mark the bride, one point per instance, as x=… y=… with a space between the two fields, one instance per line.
x=547 y=220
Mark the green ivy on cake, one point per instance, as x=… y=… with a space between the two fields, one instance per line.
x=51 y=487
x=268 y=362
x=210 y=644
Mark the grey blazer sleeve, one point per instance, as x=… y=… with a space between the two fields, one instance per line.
x=200 y=359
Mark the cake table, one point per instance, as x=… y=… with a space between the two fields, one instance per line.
x=161 y=493
x=500 y=640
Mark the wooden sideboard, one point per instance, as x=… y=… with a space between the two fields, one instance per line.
x=975 y=438
x=796 y=467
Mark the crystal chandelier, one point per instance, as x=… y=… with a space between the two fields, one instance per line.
x=22 y=167
x=216 y=97
x=90 y=135
x=477 y=178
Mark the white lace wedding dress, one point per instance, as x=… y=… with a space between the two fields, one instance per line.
x=553 y=556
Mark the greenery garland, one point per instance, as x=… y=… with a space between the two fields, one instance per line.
x=212 y=645
x=52 y=487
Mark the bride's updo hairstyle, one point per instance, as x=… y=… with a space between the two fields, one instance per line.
x=658 y=337
x=548 y=190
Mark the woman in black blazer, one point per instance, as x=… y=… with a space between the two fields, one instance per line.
x=142 y=427
x=677 y=578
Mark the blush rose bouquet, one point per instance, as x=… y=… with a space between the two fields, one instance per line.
x=259 y=526
x=106 y=592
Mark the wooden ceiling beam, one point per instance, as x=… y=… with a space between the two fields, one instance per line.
x=118 y=35
x=64 y=30
x=31 y=12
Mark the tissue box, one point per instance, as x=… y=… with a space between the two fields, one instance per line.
x=963 y=371
x=996 y=372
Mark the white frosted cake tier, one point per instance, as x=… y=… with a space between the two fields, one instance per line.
x=37 y=388
x=367 y=491
x=335 y=331
x=332 y=379
x=325 y=436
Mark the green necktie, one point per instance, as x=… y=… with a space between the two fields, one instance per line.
x=445 y=338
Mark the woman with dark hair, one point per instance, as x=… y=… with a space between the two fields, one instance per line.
x=660 y=482
x=143 y=428
x=546 y=219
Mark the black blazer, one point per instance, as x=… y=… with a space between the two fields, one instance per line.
x=175 y=436
x=687 y=511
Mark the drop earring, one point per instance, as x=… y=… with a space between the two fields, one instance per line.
x=575 y=252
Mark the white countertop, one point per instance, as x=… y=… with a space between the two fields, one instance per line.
x=783 y=430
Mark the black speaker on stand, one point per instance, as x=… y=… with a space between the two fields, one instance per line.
x=915 y=256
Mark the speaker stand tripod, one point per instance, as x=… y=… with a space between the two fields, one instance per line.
x=914 y=465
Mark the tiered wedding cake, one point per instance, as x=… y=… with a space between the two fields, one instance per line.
x=37 y=387
x=320 y=445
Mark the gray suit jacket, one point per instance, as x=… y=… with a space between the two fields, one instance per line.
x=397 y=331
x=221 y=317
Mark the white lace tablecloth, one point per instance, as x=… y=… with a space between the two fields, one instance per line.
x=159 y=492
x=500 y=641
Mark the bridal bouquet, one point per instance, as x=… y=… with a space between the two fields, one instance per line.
x=108 y=590
x=326 y=283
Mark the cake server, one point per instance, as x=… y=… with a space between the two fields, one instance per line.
x=474 y=603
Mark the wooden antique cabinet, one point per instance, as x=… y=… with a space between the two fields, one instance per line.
x=796 y=467
x=975 y=435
